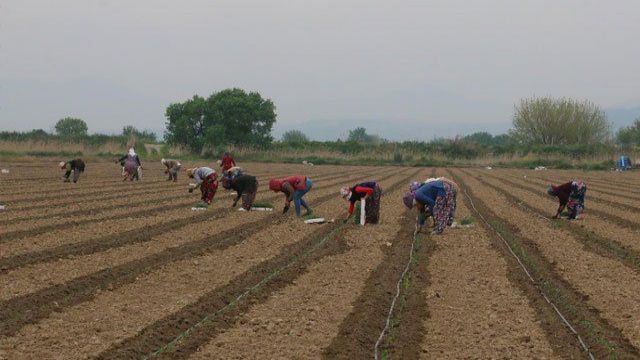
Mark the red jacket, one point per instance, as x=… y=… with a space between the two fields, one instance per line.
x=299 y=182
x=227 y=162
x=360 y=191
x=563 y=192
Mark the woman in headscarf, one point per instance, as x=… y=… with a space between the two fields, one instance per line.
x=433 y=197
x=206 y=180
x=229 y=175
x=76 y=166
x=246 y=186
x=172 y=168
x=131 y=165
x=227 y=162
x=570 y=195
x=368 y=190
x=294 y=188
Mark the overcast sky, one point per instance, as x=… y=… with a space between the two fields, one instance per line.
x=404 y=69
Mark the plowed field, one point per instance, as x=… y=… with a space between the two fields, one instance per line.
x=116 y=270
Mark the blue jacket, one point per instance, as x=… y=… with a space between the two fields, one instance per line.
x=428 y=193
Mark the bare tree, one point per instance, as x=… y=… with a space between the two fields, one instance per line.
x=559 y=121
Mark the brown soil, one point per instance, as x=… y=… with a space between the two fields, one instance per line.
x=559 y=267
x=87 y=273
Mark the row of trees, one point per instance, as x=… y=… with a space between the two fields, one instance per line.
x=76 y=130
x=235 y=117
x=543 y=121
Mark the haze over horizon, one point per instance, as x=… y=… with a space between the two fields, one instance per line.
x=403 y=69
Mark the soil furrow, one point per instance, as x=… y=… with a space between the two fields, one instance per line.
x=164 y=331
x=123 y=238
x=359 y=331
x=592 y=241
x=605 y=215
x=603 y=339
x=622 y=198
x=17 y=234
x=20 y=311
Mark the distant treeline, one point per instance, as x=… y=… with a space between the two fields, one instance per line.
x=89 y=139
x=546 y=131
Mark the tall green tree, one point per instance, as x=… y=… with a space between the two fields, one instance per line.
x=295 y=136
x=231 y=116
x=560 y=121
x=630 y=135
x=71 y=128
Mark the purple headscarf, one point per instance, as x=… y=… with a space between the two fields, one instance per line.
x=407 y=199
x=414 y=185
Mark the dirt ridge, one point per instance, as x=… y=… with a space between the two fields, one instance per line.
x=592 y=241
x=165 y=330
x=22 y=310
x=603 y=339
x=17 y=234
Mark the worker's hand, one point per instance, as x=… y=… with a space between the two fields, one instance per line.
x=234 y=204
x=286 y=208
x=190 y=190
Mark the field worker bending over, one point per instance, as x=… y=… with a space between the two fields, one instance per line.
x=131 y=166
x=76 y=166
x=246 y=186
x=173 y=166
x=368 y=190
x=206 y=179
x=227 y=162
x=434 y=197
x=229 y=175
x=571 y=195
x=294 y=188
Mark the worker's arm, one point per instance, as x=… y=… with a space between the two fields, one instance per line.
x=352 y=206
x=419 y=219
x=198 y=181
x=288 y=191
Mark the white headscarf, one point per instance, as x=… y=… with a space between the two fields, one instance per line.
x=345 y=192
x=132 y=152
x=62 y=164
x=163 y=161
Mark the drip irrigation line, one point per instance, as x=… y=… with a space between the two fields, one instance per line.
x=262 y=282
x=393 y=302
x=555 y=308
